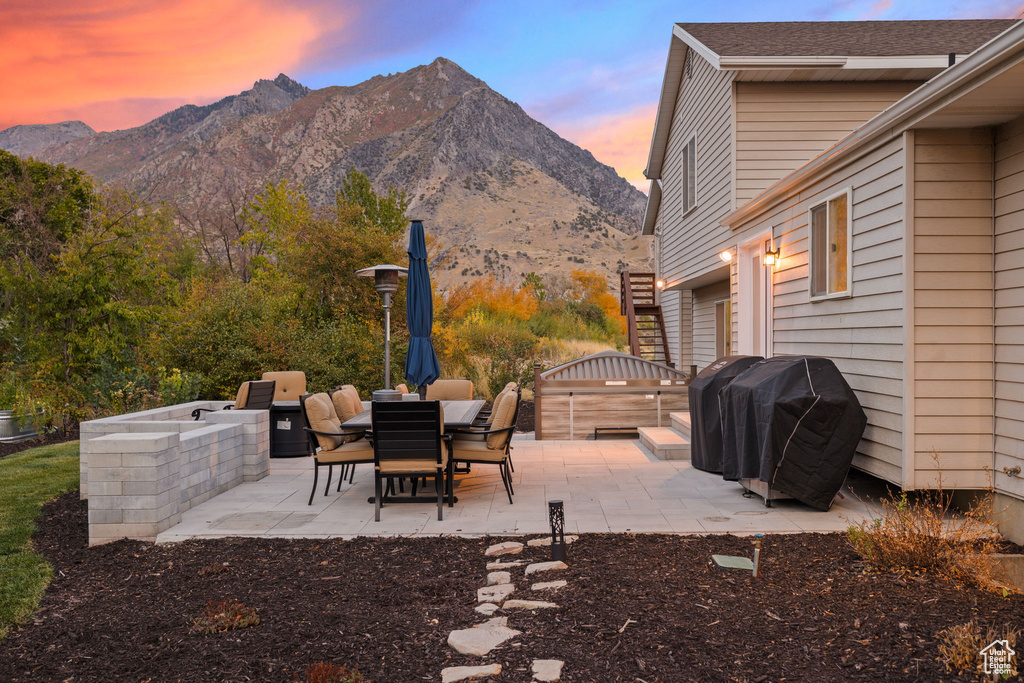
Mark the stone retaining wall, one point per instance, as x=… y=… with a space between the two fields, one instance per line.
x=142 y=470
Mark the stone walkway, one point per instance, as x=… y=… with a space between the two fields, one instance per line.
x=608 y=486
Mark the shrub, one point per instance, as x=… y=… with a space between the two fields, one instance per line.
x=326 y=672
x=960 y=646
x=922 y=532
x=226 y=615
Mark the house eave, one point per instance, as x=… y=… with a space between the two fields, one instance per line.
x=652 y=209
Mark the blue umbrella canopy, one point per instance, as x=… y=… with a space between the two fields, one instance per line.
x=421 y=366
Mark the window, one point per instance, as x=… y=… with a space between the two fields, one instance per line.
x=690 y=174
x=830 y=247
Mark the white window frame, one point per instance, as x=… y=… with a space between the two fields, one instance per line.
x=690 y=140
x=848 y=292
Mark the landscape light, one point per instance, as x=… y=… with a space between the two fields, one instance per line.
x=556 y=516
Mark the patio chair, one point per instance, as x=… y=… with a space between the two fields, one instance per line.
x=408 y=441
x=484 y=416
x=330 y=444
x=291 y=384
x=450 y=390
x=251 y=396
x=495 y=447
x=403 y=389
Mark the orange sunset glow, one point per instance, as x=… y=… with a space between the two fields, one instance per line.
x=120 y=63
x=619 y=140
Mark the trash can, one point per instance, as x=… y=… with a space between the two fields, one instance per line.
x=705 y=416
x=794 y=423
x=287 y=438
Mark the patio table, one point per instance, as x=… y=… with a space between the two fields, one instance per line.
x=457 y=414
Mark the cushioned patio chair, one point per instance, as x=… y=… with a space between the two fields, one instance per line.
x=330 y=444
x=450 y=390
x=409 y=441
x=493 y=445
x=484 y=416
x=251 y=396
x=291 y=384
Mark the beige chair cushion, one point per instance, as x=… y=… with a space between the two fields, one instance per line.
x=476 y=450
x=343 y=405
x=450 y=390
x=321 y=416
x=354 y=451
x=414 y=466
x=402 y=389
x=500 y=419
x=353 y=397
x=290 y=384
x=243 y=396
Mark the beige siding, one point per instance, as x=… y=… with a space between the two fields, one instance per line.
x=704 y=300
x=1009 y=305
x=779 y=126
x=953 y=307
x=862 y=334
x=685 y=358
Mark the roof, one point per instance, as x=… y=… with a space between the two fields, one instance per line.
x=612 y=365
x=846 y=38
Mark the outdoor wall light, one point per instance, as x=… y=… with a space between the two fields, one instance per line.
x=556 y=516
x=661 y=284
x=385 y=281
x=726 y=256
x=771 y=257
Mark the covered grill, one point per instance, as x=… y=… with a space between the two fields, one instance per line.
x=705 y=415
x=794 y=423
x=606 y=390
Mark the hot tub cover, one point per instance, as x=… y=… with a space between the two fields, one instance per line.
x=794 y=423
x=705 y=416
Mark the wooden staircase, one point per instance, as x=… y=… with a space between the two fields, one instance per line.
x=644 y=319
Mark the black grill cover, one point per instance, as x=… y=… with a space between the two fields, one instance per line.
x=794 y=423
x=705 y=417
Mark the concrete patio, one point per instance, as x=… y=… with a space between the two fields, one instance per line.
x=608 y=486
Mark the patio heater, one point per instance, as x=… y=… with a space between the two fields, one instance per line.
x=385 y=281
x=556 y=516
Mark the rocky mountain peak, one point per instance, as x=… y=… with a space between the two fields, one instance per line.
x=29 y=139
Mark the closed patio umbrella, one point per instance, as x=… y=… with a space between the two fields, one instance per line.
x=421 y=366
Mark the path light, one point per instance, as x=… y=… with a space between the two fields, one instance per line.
x=385 y=281
x=757 y=552
x=556 y=516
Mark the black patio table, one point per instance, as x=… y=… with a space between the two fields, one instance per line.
x=457 y=414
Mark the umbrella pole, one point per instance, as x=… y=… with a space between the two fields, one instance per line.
x=387 y=340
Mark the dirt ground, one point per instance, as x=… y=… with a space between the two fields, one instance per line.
x=637 y=608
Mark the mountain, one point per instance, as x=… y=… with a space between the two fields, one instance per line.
x=502 y=192
x=30 y=139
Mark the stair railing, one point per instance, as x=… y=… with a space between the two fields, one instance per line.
x=627 y=309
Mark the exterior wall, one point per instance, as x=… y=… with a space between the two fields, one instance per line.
x=953 y=308
x=671 y=310
x=1009 y=312
x=862 y=334
x=704 y=300
x=779 y=126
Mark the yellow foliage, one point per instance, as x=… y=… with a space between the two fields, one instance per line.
x=592 y=288
x=497 y=298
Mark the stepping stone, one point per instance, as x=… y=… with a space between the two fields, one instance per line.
x=453 y=674
x=548 y=585
x=486 y=608
x=544 y=542
x=495 y=578
x=527 y=604
x=494 y=593
x=507 y=548
x=482 y=638
x=547 y=669
x=545 y=567
x=504 y=565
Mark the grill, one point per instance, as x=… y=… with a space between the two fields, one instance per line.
x=607 y=390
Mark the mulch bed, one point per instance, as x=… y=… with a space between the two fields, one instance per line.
x=637 y=608
x=11 y=447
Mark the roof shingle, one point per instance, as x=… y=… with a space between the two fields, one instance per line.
x=846 y=38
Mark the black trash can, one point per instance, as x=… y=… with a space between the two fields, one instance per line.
x=287 y=438
x=794 y=423
x=705 y=417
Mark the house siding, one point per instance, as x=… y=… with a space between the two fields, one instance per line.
x=953 y=308
x=862 y=334
x=1009 y=305
x=704 y=300
x=780 y=126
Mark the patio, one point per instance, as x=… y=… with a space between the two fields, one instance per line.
x=607 y=486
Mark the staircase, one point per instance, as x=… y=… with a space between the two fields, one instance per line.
x=669 y=443
x=644 y=319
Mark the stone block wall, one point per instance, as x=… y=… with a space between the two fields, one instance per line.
x=141 y=471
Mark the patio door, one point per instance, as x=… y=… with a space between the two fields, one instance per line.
x=755 y=298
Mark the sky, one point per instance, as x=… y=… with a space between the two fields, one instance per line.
x=590 y=70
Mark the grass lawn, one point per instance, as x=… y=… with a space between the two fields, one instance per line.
x=27 y=480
